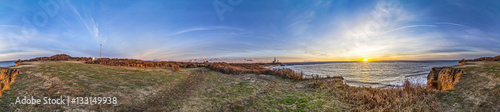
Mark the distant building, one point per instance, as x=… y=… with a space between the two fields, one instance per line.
x=276 y=61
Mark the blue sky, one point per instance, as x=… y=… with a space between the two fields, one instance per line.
x=292 y=30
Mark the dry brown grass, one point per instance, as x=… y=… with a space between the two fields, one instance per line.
x=254 y=68
x=170 y=99
x=176 y=68
x=236 y=69
x=142 y=63
x=287 y=73
x=410 y=97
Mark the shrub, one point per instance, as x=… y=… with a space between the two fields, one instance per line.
x=236 y=69
x=241 y=68
x=287 y=73
x=176 y=68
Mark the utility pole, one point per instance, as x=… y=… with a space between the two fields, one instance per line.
x=100 y=51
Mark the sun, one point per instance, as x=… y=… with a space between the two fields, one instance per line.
x=366 y=59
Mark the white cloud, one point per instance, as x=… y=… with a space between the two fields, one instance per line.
x=405 y=27
x=203 y=29
x=300 y=24
x=90 y=24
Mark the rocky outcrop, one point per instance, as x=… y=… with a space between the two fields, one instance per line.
x=7 y=77
x=443 y=78
x=461 y=62
x=18 y=62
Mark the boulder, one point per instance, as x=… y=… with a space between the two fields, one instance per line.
x=443 y=78
x=18 y=62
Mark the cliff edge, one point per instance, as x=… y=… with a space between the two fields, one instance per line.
x=7 y=77
x=443 y=78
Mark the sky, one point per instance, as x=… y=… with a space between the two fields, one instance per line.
x=251 y=30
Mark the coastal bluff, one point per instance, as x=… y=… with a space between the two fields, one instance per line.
x=7 y=77
x=473 y=85
x=443 y=78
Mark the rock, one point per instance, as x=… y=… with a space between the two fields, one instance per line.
x=443 y=78
x=7 y=77
x=461 y=62
x=18 y=62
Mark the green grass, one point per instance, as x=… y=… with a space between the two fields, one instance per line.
x=492 y=68
x=76 y=79
x=268 y=93
x=110 y=76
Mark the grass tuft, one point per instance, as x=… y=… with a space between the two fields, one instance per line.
x=176 y=68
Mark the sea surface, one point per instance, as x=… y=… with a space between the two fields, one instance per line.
x=373 y=74
x=7 y=63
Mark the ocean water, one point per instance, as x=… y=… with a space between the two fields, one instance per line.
x=7 y=63
x=373 y=74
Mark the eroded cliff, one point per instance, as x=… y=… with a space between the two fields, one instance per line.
x=7 y=77
x=443 y=78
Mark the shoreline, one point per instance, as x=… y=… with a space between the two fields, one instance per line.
x=416 y=77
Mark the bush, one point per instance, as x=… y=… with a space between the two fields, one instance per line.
x=236 y=69
x=176 y=68
x=287 y=73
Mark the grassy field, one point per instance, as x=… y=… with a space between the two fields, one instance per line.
x=199 y=89
x=53 y=79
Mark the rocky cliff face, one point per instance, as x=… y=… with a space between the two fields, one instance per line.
x=443 y=78
x=461 y=62
x=7 y=77
x=18 y=62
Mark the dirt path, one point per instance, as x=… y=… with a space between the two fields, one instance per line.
x=26 y=64
x=197 y=100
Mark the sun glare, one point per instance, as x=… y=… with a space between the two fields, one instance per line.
x=366 y=59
